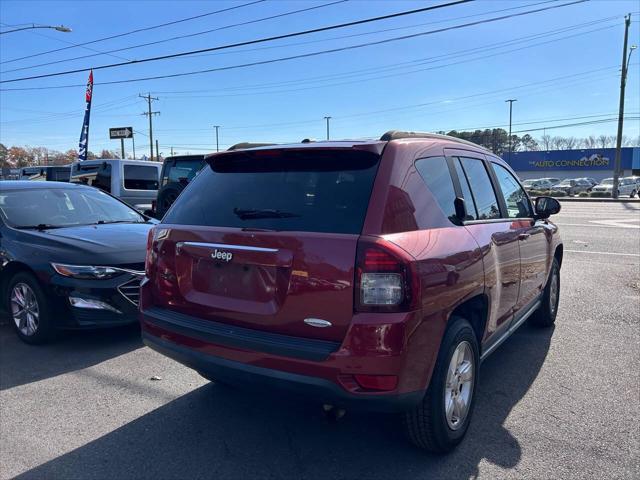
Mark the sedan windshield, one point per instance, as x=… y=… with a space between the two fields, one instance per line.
x=63 y=207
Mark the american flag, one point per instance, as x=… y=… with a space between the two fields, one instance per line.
x=84 y=134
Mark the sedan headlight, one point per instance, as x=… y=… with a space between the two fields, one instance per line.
x=85 y=271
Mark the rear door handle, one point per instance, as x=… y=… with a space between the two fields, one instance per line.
x=523 y=236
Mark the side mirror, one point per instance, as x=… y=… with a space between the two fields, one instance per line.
x=546 y=206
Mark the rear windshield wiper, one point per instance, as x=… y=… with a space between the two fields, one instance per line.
x=40 y=226
x=247 y=214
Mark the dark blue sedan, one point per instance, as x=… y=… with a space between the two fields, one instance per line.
x=71 y=256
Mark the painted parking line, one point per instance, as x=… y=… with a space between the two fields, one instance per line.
x=605 y=253
x=560 y=224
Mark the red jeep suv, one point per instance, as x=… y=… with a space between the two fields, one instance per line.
x=368 y=274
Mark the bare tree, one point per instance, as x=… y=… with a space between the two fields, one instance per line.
x=570 y=143
x=558 y=143
x=545 y=141
x=590 y=142
x=630 y=142
x=606 y=141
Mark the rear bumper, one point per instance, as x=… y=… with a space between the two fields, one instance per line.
x=316 y=389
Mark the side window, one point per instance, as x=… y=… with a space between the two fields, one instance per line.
x=518 y=205
x=481 y=188
x=470 y=204
x=103 y=178
x=435 y=173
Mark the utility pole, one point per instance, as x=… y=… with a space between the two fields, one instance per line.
x=172 y=151
x=327 y=119
x=150 y=114
x=623 y=84
x=217 y=144
x=133 y=140
x=122 y=148
x=157 y=151
x=511 y=100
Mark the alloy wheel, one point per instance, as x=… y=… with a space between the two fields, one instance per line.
x=24 y=309
x=459 y=386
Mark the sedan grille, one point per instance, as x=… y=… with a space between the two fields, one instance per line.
x=131 y=290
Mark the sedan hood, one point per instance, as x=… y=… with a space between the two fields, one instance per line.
x=109 y=244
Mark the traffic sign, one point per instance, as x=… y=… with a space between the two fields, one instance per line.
x=121 y=132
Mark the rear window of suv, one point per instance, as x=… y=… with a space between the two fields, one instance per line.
x=288 y=190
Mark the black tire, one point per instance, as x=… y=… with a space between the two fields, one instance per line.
x=166 y=196
x=545 y=315
x=633 y=194
x=427 y=426
x=45 y=330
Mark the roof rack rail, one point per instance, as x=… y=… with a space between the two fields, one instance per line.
x=245 y=145
x=398 y=134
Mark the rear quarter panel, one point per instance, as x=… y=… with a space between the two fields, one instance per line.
x=403 y=211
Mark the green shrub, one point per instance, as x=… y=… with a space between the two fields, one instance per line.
x=558 y=193
x=600 y=194
x=583 y=194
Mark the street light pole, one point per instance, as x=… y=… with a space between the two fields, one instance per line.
x=511 y=100
x=623 y=83
x=59 y=28
x=217 y=144
x=327 y=119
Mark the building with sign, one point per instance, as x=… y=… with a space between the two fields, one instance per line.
x=595 y=163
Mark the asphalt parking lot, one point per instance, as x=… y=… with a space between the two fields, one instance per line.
x=561 y=403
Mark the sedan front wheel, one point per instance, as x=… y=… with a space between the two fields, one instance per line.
x=29 y=309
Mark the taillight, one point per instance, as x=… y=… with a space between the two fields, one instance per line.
x=386 y=280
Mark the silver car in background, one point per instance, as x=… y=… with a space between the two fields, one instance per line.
x=132 y=181
x=627 y=186
x=537 y=184
x=573 y=186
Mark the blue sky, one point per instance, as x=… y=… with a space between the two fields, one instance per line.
x=457 y=79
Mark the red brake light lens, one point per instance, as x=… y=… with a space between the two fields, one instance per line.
x=378 y=260
x=385 y=278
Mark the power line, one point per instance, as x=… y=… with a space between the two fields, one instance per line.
x=180 y=37
x=70 y=43
x=533 y=122
x=401 y=66
x=293 y=57
x=373 y=32
x=404 y=64
x=135 y=31
x=254 y=41
x=498 y=92
x=579 y=124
